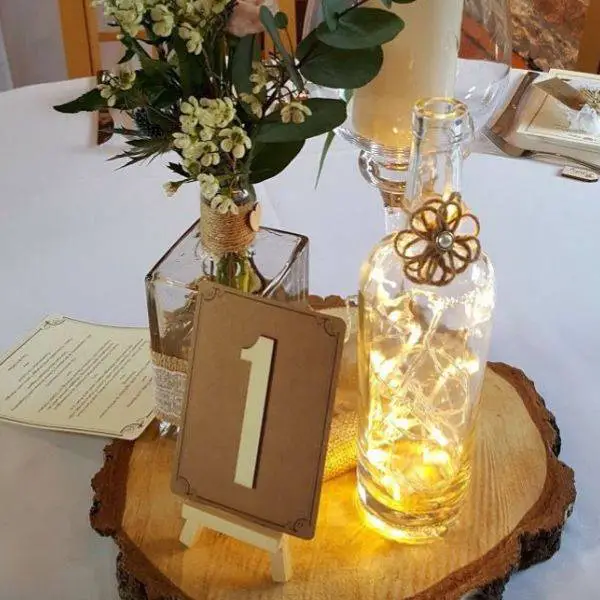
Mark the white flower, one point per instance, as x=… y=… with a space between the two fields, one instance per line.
x=119 y=82
x=193 y=151
x=235 y=141
x=207 y=134
x=209 y=186
x=224 y=111
x=218 y=6
x=211 y=6
x=295 y=112
x=193 y=38
x=128 y=13
x=183 y=141
x=192 y=11
x=209 y=154
x=191 y=107
x=188 y=124
x=224 y=205
x=207 y=112
x=216 y=113
x=125 y=79
x=164 y=20
x=259 y=77
x=185 y=6
x=205 y=115
x=108 y=93
x=254 y=104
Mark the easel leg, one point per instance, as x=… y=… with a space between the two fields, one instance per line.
x=191 y=527
x=281 y=562
x=275 y=543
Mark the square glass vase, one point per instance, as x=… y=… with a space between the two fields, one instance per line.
x=274 y=266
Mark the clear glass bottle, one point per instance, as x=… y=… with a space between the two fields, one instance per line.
x=274 y=265
x=422 y=347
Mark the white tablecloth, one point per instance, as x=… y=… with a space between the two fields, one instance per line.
x=77 y=237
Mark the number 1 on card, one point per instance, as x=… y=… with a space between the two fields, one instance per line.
x=260 y=357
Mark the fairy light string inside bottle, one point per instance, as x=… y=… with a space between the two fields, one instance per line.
x=426 y=302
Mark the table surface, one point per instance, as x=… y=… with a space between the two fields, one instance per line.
x=78 y=237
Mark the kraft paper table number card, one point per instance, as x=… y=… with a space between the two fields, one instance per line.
x=262 y=383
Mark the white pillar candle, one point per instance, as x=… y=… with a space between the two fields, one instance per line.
x=419 y=63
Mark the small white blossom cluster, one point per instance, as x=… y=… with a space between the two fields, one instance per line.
x=119 y=82
x=193 y=17
x=129 y=14
x=292 y=110
x=254 y=104
x=209 y=132
x=189 y=17
x=262 y=75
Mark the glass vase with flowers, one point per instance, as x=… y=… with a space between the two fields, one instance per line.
x=232 y=114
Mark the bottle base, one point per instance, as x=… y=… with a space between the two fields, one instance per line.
x=403 y=527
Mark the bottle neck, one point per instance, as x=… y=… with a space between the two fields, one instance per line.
x=395 y=219
x=441 y=129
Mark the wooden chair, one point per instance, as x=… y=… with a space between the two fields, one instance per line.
x=589 y=48
x=82 y=35
x=80 y=38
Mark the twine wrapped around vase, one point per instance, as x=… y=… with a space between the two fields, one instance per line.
x=226 y=233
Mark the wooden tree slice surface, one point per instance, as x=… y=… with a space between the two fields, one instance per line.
x=519 y=500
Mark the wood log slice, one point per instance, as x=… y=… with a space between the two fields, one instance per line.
x=519 y=500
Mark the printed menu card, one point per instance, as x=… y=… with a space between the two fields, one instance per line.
x=80 y=377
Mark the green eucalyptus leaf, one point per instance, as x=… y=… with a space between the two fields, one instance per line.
x=151 y=66
x=306 y=46
x=246 y=51
x=326 y=115
x=337 y=68
x=268 y=21
x=89 y=101
x=190 y=68
x=281 y=20
x=270 y=159
x=327 y=144
x=330 y=12
x=362 y=28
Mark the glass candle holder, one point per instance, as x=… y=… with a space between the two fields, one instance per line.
x=453 y=48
